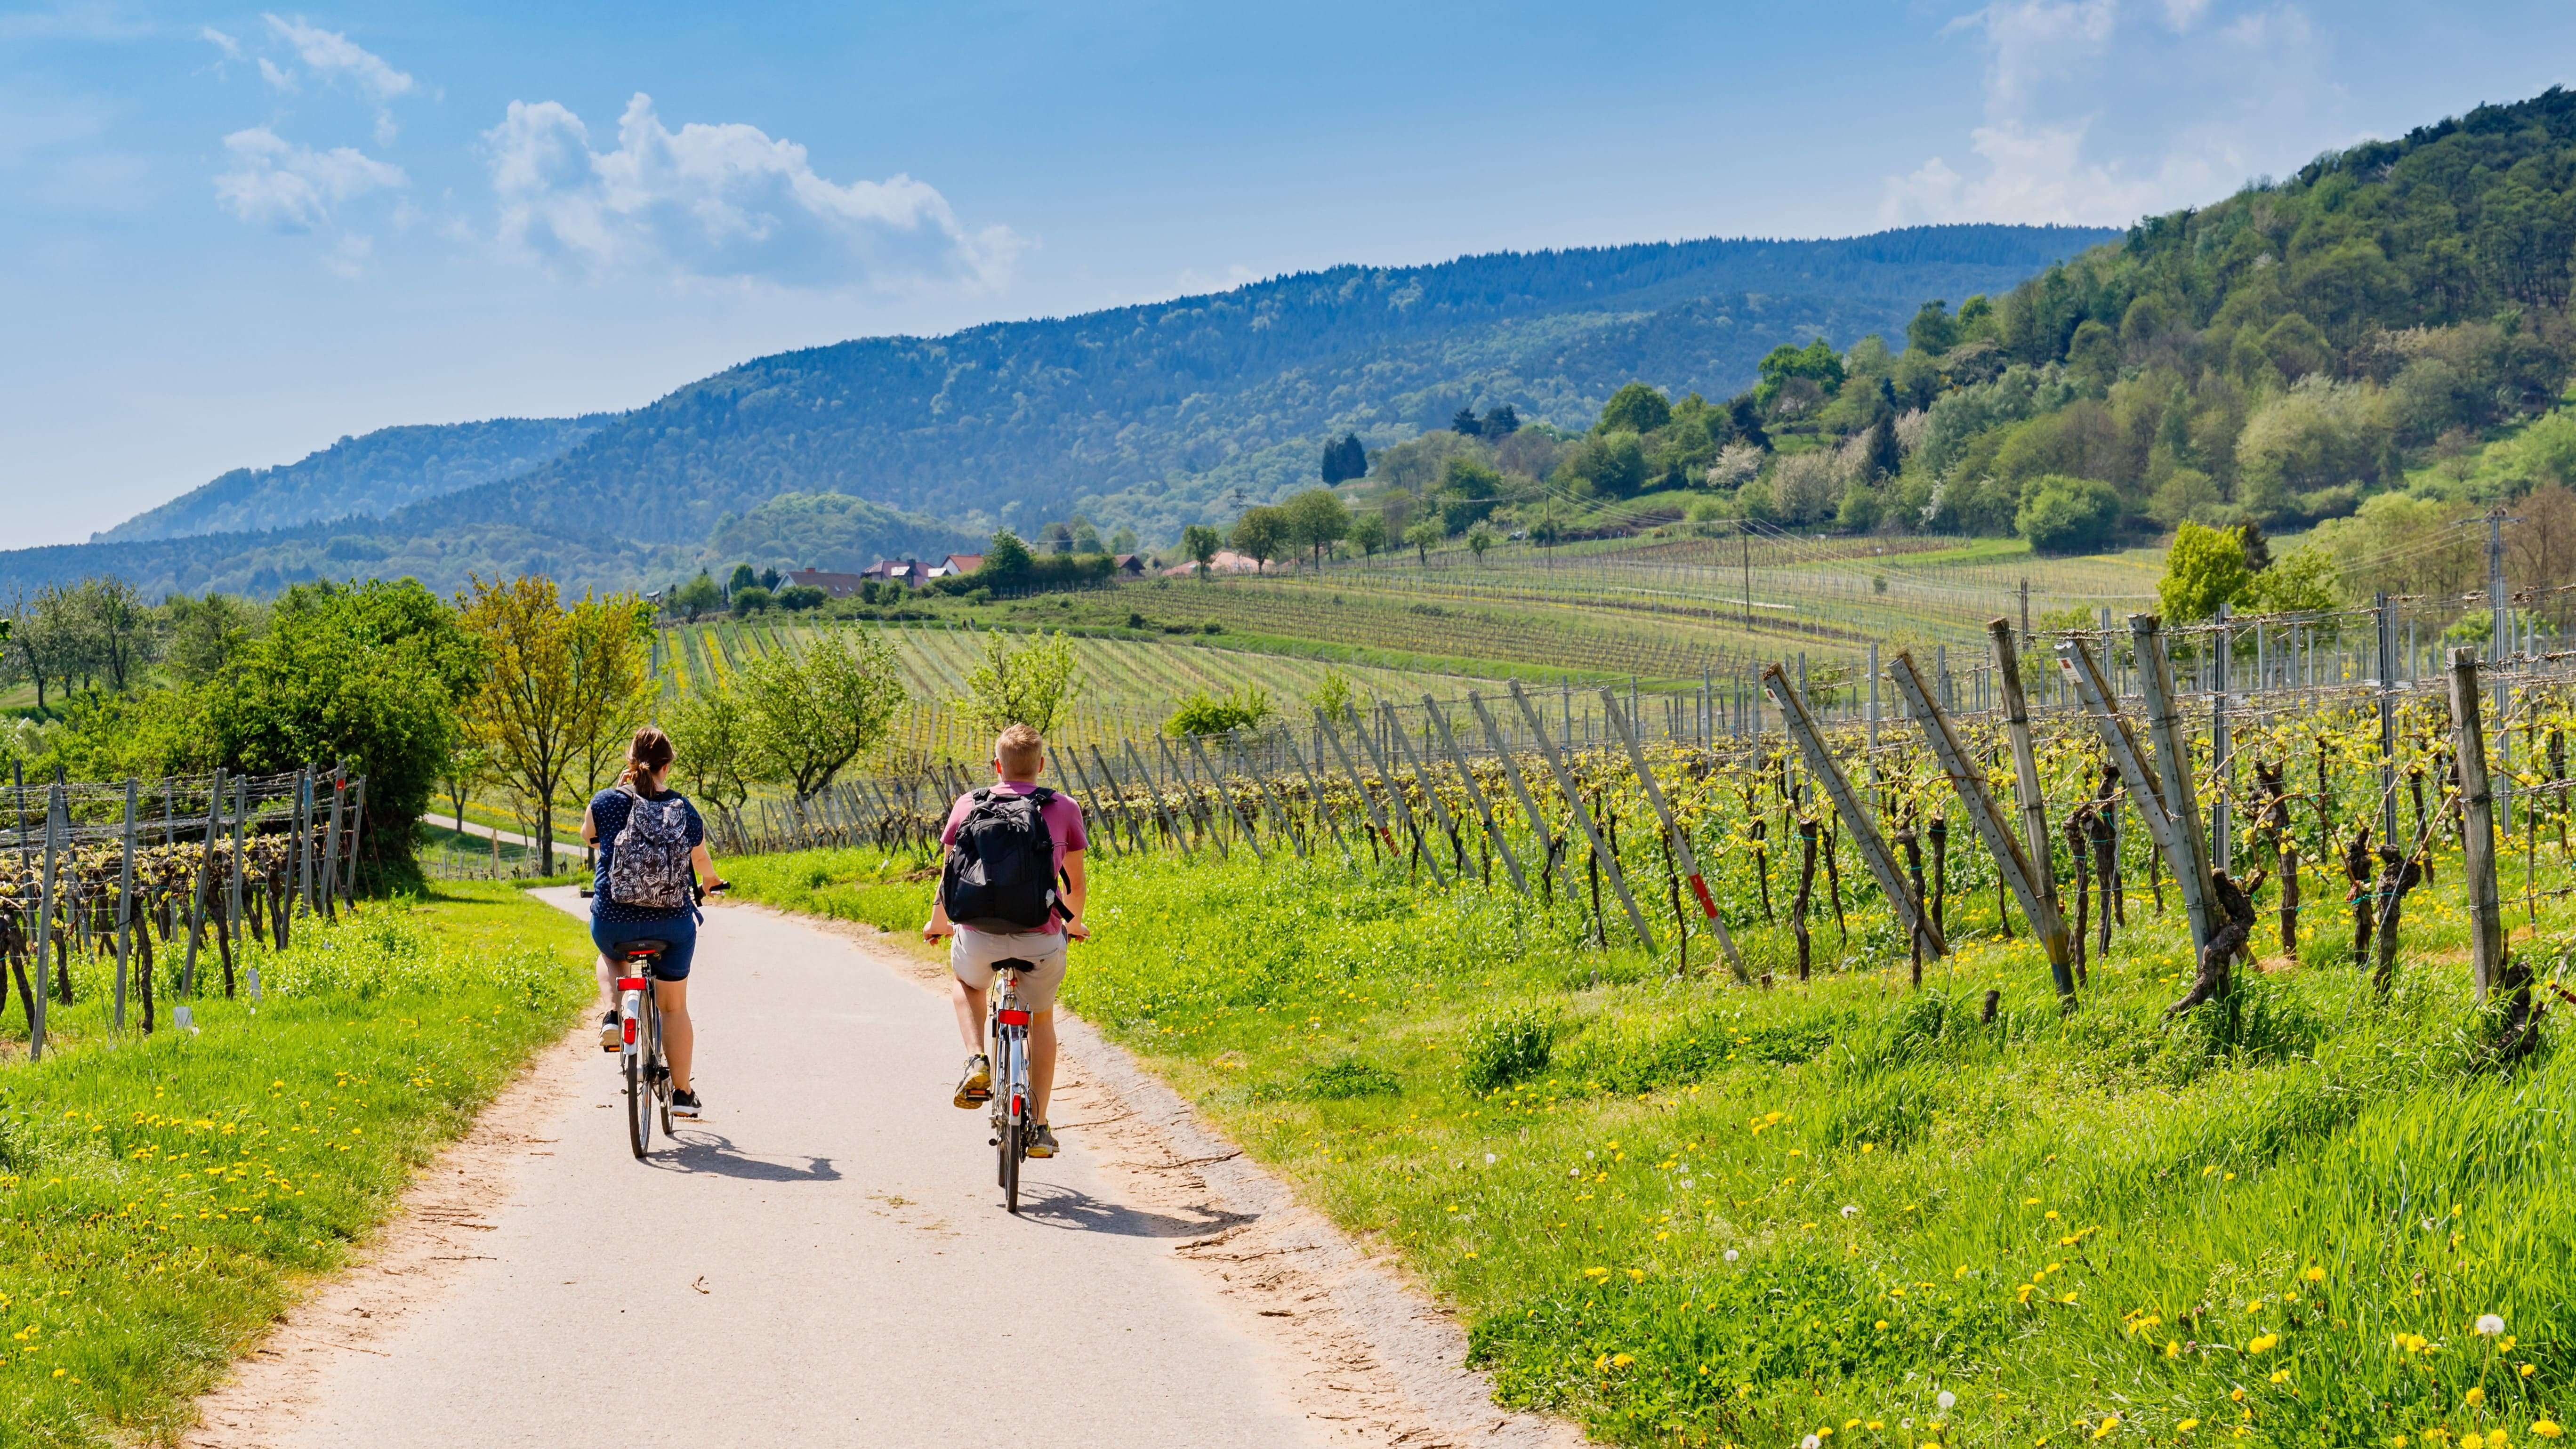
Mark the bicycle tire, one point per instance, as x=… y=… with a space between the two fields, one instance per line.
x=661 y=1071
x=639 y=1105
x=1011 y=1166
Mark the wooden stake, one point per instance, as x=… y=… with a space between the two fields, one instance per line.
x=1602 y=856
x=1520 y=787
x=2477 y=825
x=1475 y=795
x=1395 y=795
x=1199 y=751
x=1680 y=842
x=1856 y=822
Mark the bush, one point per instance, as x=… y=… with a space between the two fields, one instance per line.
x=2068 y=515
x=1207 y=714
x=1504 y=1049
x=800 y=597
x=751 y=599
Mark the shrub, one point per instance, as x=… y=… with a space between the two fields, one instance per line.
x=1207 y=714
x=1506 y=1048
x=2067 y=515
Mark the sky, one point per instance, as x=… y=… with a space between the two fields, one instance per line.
x=231 y=236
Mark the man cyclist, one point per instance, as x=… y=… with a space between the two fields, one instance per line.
x=1019 y=757
x=613 y=922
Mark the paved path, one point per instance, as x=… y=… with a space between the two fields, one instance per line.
x=822 y=1261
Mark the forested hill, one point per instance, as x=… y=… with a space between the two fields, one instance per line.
x=1149 y=414
x=1019 y=422
x=362 y=477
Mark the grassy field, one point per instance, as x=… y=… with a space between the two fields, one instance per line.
x=163 y=1197
x=1685 y=1212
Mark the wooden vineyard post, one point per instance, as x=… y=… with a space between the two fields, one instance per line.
x=1476 y=795
x=1520 y=787
x=1856 y=822
x=1583 y=818
x=125 y=898
x=1217 y=776
x=2173 y=772
x=1197 y=810
x=357 y=820
x=2038 y=905
x=1395 y=796
x=1682 y=853
x=1430 y=794
x=1118 y=792
x=1279 y=811
x=1377 y=817
x=1315 y=791
x=197 y=895
x=1163 y=812
x=46 y=945
x=1090 y=797
x=2034 y=804
x=331 y=844
x=2144 y=794
x=2477 y=825
x=233 y=895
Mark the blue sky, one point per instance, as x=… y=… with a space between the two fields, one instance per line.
x=229 y=236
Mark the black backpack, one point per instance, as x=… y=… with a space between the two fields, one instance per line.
x=1000 y=874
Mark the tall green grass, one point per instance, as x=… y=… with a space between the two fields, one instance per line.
x=1686 y=1212
x=163 y=1197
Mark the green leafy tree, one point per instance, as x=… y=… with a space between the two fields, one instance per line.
x=751 y=599
x=1262 y=533
x=698 y=596
x=1464 y=423
x=1469 y=490
x=1344 y=459
x=808 y=717
x=201 y=636
x=1317 y=519
x=1029 y=681
x=712 y=756
x=797 y=598
x=1422 y=534
x=2068 y=515
x=1635 y=408
x=1610 y=466
x=1334 y=693
x=1480 y=538
x=1817 y=362
x=546 y=694
x=2204 y=569
x=743 y=578
x=1211 y=714
x=1201 y=542
x=1501 y=421
x=2304 y=580
x=1933 y=330
x=1369 y=532
x=1007 y=561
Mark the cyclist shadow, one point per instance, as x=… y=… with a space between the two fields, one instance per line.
x=1066 y=1207
x=713 y=1153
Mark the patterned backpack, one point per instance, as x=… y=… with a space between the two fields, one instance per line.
x=650 y=865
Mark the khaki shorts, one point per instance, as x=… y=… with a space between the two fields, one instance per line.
x=971 y=954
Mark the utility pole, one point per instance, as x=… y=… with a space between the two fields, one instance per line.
x=1747 y=540
x=2025 y=613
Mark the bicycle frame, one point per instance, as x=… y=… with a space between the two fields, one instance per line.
x=648 y=1078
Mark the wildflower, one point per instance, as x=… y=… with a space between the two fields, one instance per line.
x=2490 y=1324
x=1621 y=1360
x=2472 y=1441
x=1730 y=1255
x=1636 y=1275
x=2545 y=1428
x=2186 y=1426
x=1851 y=1210
x=2109 y=1423
x=2474 y=1397
x=1810 y=1442
x=2263 y=1344
x=2526 y=1370
x=2315 y=1274
x=1596 y=1274
x=1945 y=1400
x=1881 y=1325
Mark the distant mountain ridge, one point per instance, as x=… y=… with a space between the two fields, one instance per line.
x=1151 y=415
x=360 y=477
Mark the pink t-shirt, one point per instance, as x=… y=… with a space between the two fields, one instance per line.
x=1063 y=821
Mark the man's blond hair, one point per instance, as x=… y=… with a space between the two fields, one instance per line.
x=1020 y=751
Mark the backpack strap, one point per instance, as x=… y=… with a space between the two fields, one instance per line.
x=1043 y=796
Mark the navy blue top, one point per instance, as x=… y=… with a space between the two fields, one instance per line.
x=608 y=811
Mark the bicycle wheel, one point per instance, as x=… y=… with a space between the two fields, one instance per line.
x=661 y=1072
x=1011 y=1165
x=639 y=1104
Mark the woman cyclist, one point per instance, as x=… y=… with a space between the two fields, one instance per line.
x=614 y=923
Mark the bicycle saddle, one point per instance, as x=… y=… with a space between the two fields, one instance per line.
x=636 y=950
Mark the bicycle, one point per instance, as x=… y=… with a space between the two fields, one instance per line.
x=647 y=1073
x=1007 y=1027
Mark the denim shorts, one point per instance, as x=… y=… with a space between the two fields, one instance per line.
x=680 y=930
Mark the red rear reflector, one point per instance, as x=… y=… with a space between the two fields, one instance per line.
x=630 y=983
x=630 y=1031
x=1015 y=1018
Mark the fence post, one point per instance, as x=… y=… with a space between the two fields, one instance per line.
x=2034 y=804
x=1154 y=788
x=1856 y=822
x=125 y=897
x=46 y=945
x=197 y=894
x=1359 y=784
x=1093 y=809
x=2387 y=618
x=357 y=819
x=1122 y=810
x=1279 y=805
x=1476 y=796
x=1198 y=806
x=2477 y=825
x=2144 y=793
x=1395 y=794
x=233 y=892
x=2173 y=772
x=1682 y=853
x=2039 y=907
x=1216 y=776
x=1583 y=818
x=1315 y=786
x=331 y=844
x=1422 y=777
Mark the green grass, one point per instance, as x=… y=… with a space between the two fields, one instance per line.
x=1692 y=1213
x=162 y=1198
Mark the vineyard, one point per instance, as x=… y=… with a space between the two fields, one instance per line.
x=1950 y=1079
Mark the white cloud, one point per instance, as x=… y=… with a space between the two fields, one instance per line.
x=340 y=61
x=73 y=20
x=273 y=182
x=2099 y=111
x=720 y=202
x=228 y=45
x=277 y=76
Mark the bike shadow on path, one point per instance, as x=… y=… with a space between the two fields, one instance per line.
x=1065 y=1207
x=712 y=1153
